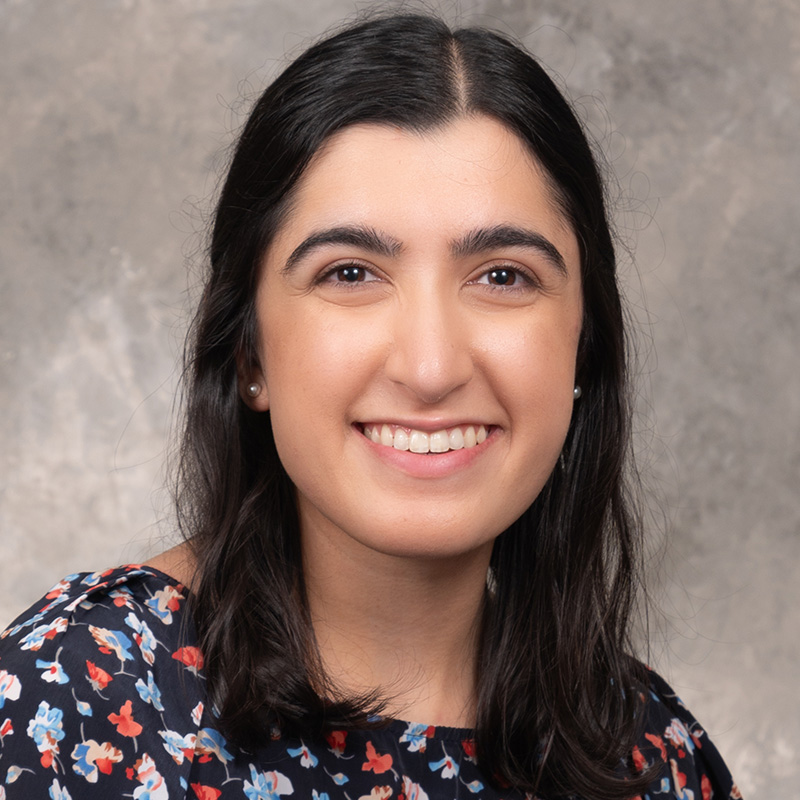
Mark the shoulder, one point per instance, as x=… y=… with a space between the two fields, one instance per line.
x=678 y=750
x=100 y=683
x=128 y=613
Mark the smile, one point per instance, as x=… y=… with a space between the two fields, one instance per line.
x=456 y=438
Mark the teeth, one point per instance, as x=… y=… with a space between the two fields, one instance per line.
x=456 y=439
x=470 y=438
x=439 y=442
x=400 y=440
x=421 y=442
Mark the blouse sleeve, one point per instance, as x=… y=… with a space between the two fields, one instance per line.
x=687 y=764
x=97 y=698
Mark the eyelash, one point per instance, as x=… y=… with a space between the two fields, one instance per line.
x=524 y=279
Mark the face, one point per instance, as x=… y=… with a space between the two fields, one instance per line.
x=419 y=314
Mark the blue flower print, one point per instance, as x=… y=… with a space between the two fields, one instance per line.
x=14 y=771
x=339 y=778
x=122 y=596
x=179 y=747
x=46 y=731
x=91 y=758
x=266 y=785
x=9 y=687
x=164 y=602
x=315 y=795
x=92 y=579
x=153 y=785
x=35 y=639
x=112 y=642
x=56 y=792
x=211 y=742
x=448 y=767
x=149 y=692
x=307 y=758
x=38 y=617
x=84 y=709
x=53 y=671
x=417 y=737
x=143 y=636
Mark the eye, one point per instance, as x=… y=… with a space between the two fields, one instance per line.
x=502 y=277
x=506 y=277
x=351 y=274
x=348 y=274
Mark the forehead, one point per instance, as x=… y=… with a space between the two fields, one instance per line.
x=470 y=173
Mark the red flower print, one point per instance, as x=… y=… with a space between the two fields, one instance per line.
x=659 y=743
x=126 y=725
x=639 y=761
x=99 y=678
x=191 y=657
x=469 y=748
x=336 y=740
x=678 y=777
x=705 y=787
x=6 y=728
x=378 y=764
x=205 y=792
x=104 y=765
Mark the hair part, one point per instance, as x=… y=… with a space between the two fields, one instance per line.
x=557 y=690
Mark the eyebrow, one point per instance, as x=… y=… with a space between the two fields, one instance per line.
x=360 y=236
x=480 y=240
x=485 y=239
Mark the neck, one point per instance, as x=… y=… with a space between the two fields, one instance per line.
x=405 y=627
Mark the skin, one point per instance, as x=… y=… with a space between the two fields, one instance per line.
x=378 y=303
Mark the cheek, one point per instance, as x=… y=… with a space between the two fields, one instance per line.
x=313 y=367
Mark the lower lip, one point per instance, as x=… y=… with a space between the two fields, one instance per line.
x=429 y=465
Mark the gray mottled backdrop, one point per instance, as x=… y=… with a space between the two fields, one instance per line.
x=113 y=118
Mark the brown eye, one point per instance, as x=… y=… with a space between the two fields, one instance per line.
x=503 y=277
x=351 y=274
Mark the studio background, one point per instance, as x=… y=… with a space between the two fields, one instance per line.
x=115 y=119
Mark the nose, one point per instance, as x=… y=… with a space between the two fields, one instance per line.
x=430 y=353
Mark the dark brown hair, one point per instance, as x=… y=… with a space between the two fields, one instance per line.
x=556 y=686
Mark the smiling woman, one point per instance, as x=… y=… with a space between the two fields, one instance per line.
x=428 y=297
x=409 y=550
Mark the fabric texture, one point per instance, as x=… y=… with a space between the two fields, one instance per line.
x=102 y=696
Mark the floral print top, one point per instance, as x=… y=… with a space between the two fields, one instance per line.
x=102 y=696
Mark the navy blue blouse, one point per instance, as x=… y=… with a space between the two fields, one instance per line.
x=102 y=696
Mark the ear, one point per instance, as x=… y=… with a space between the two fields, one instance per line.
x=252 y=386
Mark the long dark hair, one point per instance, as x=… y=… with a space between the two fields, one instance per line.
x=556 y=690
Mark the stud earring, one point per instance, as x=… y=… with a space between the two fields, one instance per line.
x=577 y=392
x=254 y=390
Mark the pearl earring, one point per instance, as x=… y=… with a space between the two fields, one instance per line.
x=576 y=392
x=254 y=390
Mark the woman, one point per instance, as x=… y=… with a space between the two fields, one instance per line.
x=402 y=477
